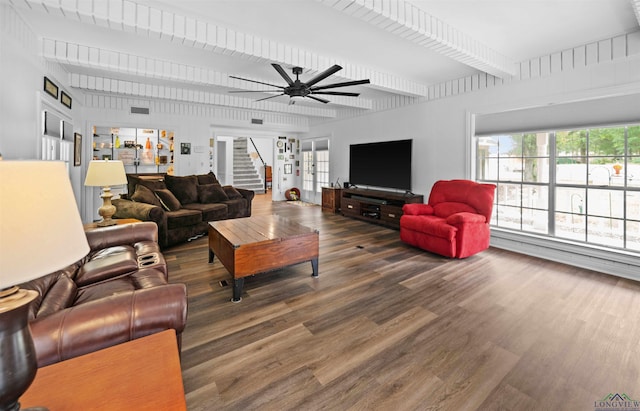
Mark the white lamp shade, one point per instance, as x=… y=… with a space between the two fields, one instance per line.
x=105 y=173
x=40 y=226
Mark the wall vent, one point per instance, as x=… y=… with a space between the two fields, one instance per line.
x=139 y=110
x=256 y=121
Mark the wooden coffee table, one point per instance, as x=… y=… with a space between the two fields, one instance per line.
x=253 y=245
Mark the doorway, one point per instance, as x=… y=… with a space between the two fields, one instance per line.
x=315 y=169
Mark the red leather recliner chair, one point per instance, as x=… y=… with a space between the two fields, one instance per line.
x=455 y=223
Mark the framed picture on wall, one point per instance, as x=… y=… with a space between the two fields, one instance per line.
x=65 y=99
x=77 y=150
x=288 y=169
x=185 y=148
x=50 y=88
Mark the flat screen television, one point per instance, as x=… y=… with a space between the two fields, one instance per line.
x=382 y=164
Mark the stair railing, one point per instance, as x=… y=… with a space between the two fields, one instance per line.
x=264 y=164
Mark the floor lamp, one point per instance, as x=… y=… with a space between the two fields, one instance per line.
x=106 y=173
x=40 y=232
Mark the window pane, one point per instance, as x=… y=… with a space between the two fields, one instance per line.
x=633 y=172
x=508 y=217
x=536 y=169
x=605 y=203
x=510 y=146
x=535 y=221
x=606 y=141
x=633 y=235
x=572 y=143
x=601 y=170
x=570 y=226
x=571 y=170
x=535 y=197
x=535 y=145
x=487 y=169
x=508 y=194
x=570 y=200
x=633 y=141
x=605 y=231
x=633 y=205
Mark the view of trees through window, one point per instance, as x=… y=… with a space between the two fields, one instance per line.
x=578 y=184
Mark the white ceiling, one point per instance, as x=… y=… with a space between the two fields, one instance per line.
x=403 y=46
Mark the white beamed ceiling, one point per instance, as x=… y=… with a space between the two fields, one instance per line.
x=185 y=51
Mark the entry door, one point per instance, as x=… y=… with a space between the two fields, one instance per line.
x=315 y=169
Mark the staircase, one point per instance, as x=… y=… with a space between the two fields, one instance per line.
x=245 y=174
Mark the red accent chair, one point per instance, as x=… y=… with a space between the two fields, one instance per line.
x=455 y=223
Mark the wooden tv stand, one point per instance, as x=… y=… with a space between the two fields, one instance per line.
x=377 y=206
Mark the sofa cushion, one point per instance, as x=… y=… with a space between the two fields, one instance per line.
x=151 y=182
x=184 y=188
x=430 y=225
x=144 y=194
x=209 y=178
x=211 y=193
x=210 y=211
x=183 y=217
x=168 y=201
x=236 y=207
x=445 y=209
x=231 y=192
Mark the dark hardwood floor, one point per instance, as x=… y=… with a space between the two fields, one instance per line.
x=390 y=327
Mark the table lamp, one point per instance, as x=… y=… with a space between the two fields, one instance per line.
x=40 y=232
x=106 y=173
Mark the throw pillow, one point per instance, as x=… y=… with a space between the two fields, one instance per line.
x=211 y=193
x=152 y=183
x=145 y=195
x=168 y=200
x=207 y=178
x=231 y=192
x=184 y=188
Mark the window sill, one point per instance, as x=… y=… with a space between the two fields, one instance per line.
x=619 y=263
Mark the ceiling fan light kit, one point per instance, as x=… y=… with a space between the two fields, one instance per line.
x=298 y=90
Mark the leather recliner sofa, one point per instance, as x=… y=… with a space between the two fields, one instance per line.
x=455 y=222
x=118 y=292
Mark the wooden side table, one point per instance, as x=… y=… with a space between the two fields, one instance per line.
x=142 y=374
x=331 y=199
x=93 y=226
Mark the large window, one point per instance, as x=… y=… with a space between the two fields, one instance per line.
x=578 y=184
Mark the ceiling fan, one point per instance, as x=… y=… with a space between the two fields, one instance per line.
x=298 y=89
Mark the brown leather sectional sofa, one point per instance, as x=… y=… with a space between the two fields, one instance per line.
x=181 y=206
x=118 y=292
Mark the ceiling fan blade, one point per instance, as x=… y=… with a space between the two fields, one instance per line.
x=267 y=98
x=254 y=91
x=331 y=70
x=281 y=71
x=259 y=82
x=345 y=84
x=317 y=99
x=336 y=93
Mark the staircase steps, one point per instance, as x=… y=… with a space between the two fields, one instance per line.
x=245 y=174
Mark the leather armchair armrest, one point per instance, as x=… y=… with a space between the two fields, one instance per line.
x=122 y=234
x=85 y=328
x=465 y=218
x=417 y=209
